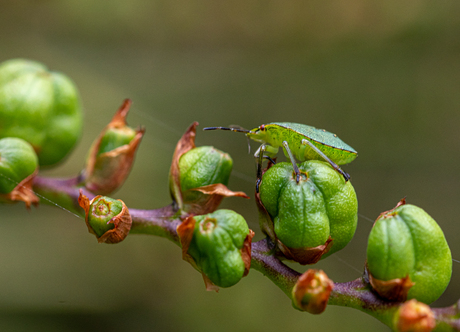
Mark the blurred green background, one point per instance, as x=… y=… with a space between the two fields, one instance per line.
x=384 y=76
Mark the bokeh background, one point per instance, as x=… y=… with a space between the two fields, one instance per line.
x=383 y=75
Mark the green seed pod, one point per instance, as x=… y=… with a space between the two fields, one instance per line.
x=408 y=256
x=199 y=176
x=41 y=107
x=310 y=219
x=17 y=162
x=218 y=245
x=200 y=167
x=107 y=218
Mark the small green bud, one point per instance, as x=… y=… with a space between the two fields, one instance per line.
x=199 y=176
x=218 y=245
x=102 y=210
x=310 y=219
x=311 y=292
x=414 y=316
x=107 y=218
x=17 y=161
x=112 y=154
x=408 y=256
x=41 y=107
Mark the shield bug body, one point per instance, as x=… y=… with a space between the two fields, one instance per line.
x=298 y=141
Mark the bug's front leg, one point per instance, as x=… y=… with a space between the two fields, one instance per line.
x=293 y=161
x=326 y=158
x=264 y=151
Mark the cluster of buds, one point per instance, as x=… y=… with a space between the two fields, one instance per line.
x=408 y=256
x=311 y=219
x=41 y=107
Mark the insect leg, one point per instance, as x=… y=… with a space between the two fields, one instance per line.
x=326 y=158
x=260 y=158
x=293 y=161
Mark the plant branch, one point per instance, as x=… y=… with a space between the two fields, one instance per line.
x=164 y=221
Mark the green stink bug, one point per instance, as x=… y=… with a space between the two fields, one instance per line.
x=298 y=141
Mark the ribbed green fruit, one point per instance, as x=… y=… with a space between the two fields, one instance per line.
x=307 y=213
x=405 y=242
x=216 y=246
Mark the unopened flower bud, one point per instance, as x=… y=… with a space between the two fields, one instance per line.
x=112 y=154
x=18 y=167
x=414 y=316
x=408 y=256
x=311 y=292
x=218 y=245
x=311 y=219
x=199 y=176
x=41 y=107
x=107 y=218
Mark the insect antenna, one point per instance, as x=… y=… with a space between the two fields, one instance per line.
x=236 y=129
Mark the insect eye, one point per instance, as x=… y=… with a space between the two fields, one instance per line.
x=262 y=127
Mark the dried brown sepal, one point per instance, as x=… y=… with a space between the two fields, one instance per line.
x=185 y=144
x=112 y=168
x=210 y=287
x=216 y=193
x=414 y=316
x=122 y=222
x=265 y=221
x=306 y=256
x=246 y=252
x=388 y=214
x=185 y=231
x=106 y=172
x=23 y=192
x=311 y=292
x=392 y=290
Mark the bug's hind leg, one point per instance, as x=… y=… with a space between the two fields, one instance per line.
x=260 y=159
x=293 y=161
x=326 y=158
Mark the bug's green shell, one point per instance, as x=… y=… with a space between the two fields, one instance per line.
x=277 y=132
x=407 y=241
x=17 y=161
x=216 y=246
x=41 y=107
x=306 y=214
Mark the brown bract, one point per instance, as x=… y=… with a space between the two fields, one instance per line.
x=312 y=290
x=307 y=255
x=304 y=256
x=246 y=252
x=393 y=290
x=23 y=192
x=106 y=172
x=214 y=192
x=122 y=222
x=414 y=316
x=389 y=213
x=185 y=231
